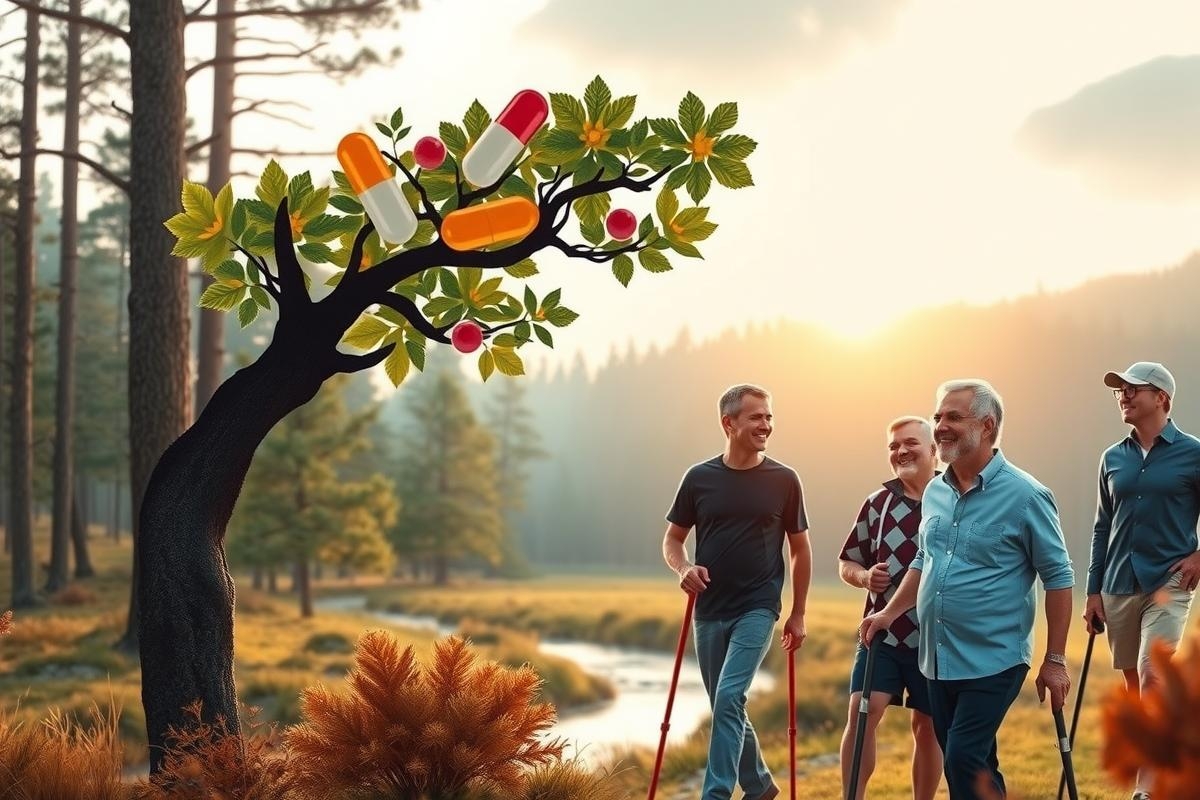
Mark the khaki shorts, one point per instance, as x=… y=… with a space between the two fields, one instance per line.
x=1135 y=620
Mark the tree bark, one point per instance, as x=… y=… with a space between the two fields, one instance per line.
x=211 y=347
x=64 y=400
x=159 y=387
x=79 y=536
x=21 y=408
x=3 y=430
x=304 y=587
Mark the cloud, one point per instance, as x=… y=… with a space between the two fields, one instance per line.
x=1136 y=132
x=740 y=39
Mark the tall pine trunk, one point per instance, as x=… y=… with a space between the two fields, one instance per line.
x=159 y=387
x=64 y=399
x=21 y=408
x=79 y=535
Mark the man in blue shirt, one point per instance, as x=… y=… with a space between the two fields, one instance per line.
x=1144 y=565
x=987 y=530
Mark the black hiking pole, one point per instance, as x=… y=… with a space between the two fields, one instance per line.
x=864 y=705
x=666 y=725
x=1064 y=746
x=1097 y=627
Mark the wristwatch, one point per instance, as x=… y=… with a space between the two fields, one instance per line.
x=1057 y=658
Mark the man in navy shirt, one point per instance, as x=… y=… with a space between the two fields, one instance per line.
x=1144 y=565
x=743 y=506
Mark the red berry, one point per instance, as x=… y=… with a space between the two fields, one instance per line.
x=621 y=224
x=466 y=336
x=429 y=152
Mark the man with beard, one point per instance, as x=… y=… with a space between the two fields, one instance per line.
x=987 y=530
x=881 y=545
x=743 y=505
x=1144 y=564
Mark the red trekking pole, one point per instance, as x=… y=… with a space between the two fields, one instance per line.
x=666 y=725
x=792 y=721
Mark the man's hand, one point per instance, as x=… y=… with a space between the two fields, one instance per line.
x=794 y=632
x=1094 y=610
x=693 y=578
x=872 y=625
x=1189 y=569
x=876 y=578
x=1054 y=677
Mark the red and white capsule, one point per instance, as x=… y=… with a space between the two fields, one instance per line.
x=504 y=139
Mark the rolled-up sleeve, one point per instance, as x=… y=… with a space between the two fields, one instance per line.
x=1048 y=549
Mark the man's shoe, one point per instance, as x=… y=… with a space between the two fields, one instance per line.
x=773 y=791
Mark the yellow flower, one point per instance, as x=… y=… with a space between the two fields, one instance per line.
x=211 y=230
x=701 y=146
x=594 y=135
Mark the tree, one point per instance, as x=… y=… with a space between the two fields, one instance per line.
x=20 y=516
x=294 y=508
x=571 y=167
x=517 y=444
x=448 y=480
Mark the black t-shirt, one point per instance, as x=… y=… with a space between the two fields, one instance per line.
x=740 y=517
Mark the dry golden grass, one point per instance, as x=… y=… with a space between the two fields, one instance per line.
x=60 y=759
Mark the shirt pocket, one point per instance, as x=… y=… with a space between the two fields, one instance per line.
x=985 y=543
x=931 y=534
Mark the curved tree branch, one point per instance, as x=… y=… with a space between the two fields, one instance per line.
x=345 y=362
x=408 y=309
x=283 y=11
x=212 y=62
x=291 y=274
x=431 y=212
x=595 y=254
x=112 y=177
x=356 y=252
x=82 y=19
x=465 y=200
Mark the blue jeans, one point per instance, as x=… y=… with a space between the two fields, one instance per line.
x=966 y=716
x=730 y=652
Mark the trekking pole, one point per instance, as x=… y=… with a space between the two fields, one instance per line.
x=1097 y=627
x=792 y=721
x=864 y=705
x=666 y=724
x=1064 y=746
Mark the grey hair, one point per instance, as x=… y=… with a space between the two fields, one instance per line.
x=731 y=401
x=985 y=403
x=899 y=422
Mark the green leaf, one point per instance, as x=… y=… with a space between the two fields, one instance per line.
x=397 y=118
x=247 y=312
x=690 y=217
x=515 y=185
x=258 y=211
x=440 y=305
x=522 y=330
x=619 y=111
x=342 y=182
x=685 y=248
x=487 y=364
x=416 y=353
x=229 y=270
x=400 y=134
x=237 y=223
x=593 y=232
x=638 y=133
x=396 y=365
x=561 y=316
x=454 y=138
x=507 y=361
x=252 y=272
x=734 y=146
x=618 y=141
x=722 y=118
x=197 y=201
x=505 y=340
x=663 y=159
x=561 y=147
x=679 y=176
x=384 y=129
x=551 y=300
x=299 y=189
x=667 y=206
x=622 y=267
x=668 y=130
x=699 y=181
x=260 y=296
x=691 y=115
x=222 y=297
x=568 y=112
x=492 y=314
x=263 y=244
x=366 y=332
x=272 y=185
x=525 y=268
x=653 y=260
x=596 y=97
x=429 y=281
x=592 y=208
x=392 y=315
x=449 y=284
x=531 y=303
x=544 y=336
x=316 y=252
x=469 y=279
x=324 y=228
x=645 y=226
x=476 y=120
x=730 y=174
x=612 y=165
x=700 y=231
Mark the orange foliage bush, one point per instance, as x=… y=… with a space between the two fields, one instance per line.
x=5 y=622
x=73 y=594
x=406 y=730
x=1157 y=729
x=60 y=759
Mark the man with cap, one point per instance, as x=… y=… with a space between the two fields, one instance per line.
x=1144 y=564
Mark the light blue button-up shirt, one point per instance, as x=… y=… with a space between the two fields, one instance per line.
x=979 y=554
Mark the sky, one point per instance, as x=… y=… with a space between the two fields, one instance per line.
x=911 y=153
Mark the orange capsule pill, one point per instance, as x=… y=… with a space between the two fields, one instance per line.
x=512 y=218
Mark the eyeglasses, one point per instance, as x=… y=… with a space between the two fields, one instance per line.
x=1129 y=391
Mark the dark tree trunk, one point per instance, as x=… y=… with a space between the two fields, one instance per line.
x=185 y=590
x=441 y=570
x=79 y=537
x=304 y=587
x=64 y=400
x=3 y=428
x=114 y=524
x=159 y=387
x=256 y=580
x=272 y=581
x=211 y=348
x=21 y=408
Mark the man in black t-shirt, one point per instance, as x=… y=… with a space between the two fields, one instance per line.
x=742 y=504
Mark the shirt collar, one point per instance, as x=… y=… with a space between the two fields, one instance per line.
x=896 y=486
x=984 y=479
x=1169 y=434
